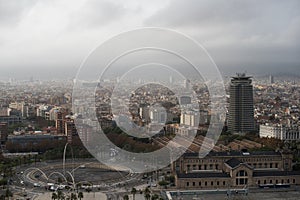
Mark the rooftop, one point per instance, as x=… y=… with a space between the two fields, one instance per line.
x=233 y=162
x=204 y=175
x=275 y=173
x=235 y=153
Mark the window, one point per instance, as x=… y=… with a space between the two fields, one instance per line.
x=265 y=182
x=294 y=181
x=217 y=166
x=205 y=183
x=218 y=183
x=187 y=184
x=194 y=184
x=276 y=165
x=270 y=181
x=212 y=183
x=199 y=167
x=276 y=181
x=241 y=178
x=271 y=165
x=224 y=183
x=258 y=182
x=200 y=183
x=242 y=182
x=188 y=167
x=241 y=173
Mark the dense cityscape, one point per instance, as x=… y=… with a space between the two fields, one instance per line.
x=37 y=126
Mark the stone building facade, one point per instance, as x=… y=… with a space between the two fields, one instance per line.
x=234 y=170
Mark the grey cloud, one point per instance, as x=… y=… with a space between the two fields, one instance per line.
x=250 y=35
x=206 y=12
x=95 y=13
x=11 y=11
x=242 y=19
x=254 y=35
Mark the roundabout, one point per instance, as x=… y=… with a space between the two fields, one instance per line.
x=82 y=173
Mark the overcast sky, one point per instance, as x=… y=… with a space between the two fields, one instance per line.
x=50 y=38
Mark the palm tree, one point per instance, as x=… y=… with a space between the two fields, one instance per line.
x=73 y=196
x=147 y=193
x=60 y=195
x=126 y=197
x=133 y=192
x=147 y=196
x=80 y=195
x=154 y=197
x=54 y=196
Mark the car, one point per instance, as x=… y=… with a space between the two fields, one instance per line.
x=82 y=166
x=61 y=187
x=53 y=188
x=152 y=185
x=37 y=185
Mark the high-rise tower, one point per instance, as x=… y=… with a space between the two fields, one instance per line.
x=271 y=79
x=241 y=114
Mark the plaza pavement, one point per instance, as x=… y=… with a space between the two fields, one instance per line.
x=86 y=196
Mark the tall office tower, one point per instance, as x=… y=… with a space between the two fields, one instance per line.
x=271 y=79
x=171 y=80
x=241 y=114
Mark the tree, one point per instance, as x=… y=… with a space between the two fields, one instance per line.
x=73 y=196
x=155 y=197
x=80 y=195
x=54 y=196
x=133 y=192
x=60 y=195
x=8 y=193
x=88 y=189
x=126 y=197
x=147 y=193
x=163 y=183
x=59 y=180
x=3 y=182
x=147 y=196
